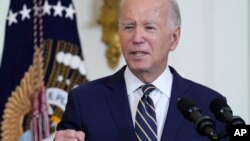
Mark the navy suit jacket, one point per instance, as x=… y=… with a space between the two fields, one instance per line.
x=101 y=109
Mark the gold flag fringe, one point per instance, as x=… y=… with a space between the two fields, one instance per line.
x=21 y=100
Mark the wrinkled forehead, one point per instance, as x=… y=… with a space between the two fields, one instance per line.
x=143 y=8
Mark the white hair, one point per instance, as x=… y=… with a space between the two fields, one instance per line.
x=174 y=14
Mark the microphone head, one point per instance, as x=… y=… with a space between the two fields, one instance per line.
x=203 y=124
x=219 y=107
x=186 y=106
x=224 y=113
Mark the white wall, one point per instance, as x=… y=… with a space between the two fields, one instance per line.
x=231 y=53
x=214 y=46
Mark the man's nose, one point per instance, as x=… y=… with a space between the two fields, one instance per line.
x=138 y=37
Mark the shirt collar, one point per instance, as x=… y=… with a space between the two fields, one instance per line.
x=163 y=83
x=132 y=82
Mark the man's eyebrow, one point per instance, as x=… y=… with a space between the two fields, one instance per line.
x=128 y=23
x=150 y=23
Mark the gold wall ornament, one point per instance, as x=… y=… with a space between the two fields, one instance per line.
x=109 y=21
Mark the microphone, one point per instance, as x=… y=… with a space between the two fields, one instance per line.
x=224 y=113
x=203 y=124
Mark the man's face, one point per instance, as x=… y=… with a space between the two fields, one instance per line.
x=145 y=35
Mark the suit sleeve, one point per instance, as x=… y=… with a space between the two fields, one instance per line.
x=71 y=116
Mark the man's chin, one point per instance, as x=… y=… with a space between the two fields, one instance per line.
x=139 y=69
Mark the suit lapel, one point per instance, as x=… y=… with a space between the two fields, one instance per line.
x=118 y=103
x=174 y=117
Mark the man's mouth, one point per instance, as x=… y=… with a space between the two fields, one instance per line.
x=138 y=53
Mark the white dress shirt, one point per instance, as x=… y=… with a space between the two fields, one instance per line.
x=160 y=96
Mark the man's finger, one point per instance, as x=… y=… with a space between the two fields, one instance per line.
x=80 y=135
x=67 y=133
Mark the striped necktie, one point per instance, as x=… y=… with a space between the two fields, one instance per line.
x=145 y=120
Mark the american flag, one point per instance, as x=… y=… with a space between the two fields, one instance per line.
x=42 y=61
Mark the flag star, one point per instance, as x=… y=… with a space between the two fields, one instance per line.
x=70 y=11
x=25 y=12
x=12 y=18
x=58 y=9
x=46 y=8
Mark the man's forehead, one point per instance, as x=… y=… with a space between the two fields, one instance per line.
x=142 y=7
x=142 y=14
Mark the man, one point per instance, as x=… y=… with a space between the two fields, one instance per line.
x=107 y=109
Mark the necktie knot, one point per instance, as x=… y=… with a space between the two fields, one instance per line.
x=147 y=88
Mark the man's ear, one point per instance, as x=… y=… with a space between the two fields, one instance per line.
x=175 y=38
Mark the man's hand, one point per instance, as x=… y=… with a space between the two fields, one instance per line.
x=69 y=135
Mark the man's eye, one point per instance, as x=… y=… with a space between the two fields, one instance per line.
x=150 y=27
x=128 y=27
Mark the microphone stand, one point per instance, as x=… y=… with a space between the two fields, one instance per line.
x=205 y=127
x=213 y=137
